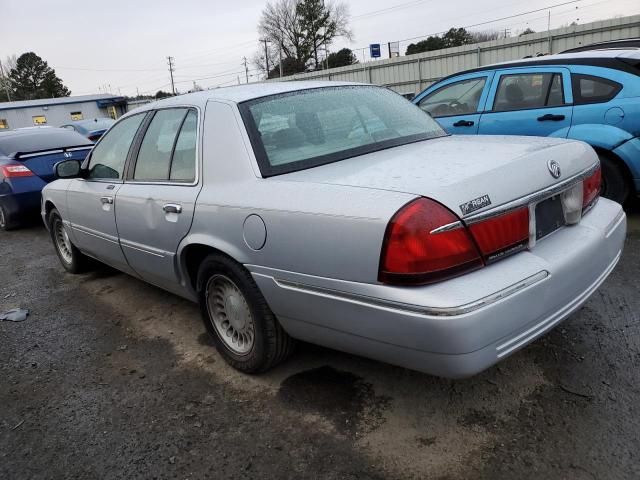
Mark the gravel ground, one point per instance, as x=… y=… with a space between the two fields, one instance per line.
x=112 y=378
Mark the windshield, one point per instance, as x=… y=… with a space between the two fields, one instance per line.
x=307 y=128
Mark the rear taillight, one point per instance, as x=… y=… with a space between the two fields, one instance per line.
x=10 y=171
x=503 y=234
x=416 y=250
x=591 y=188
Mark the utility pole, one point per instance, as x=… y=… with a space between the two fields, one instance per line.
x=4 y=81
x=171 y=65
x=266 y=55
x=280 y=50
x=246 y=69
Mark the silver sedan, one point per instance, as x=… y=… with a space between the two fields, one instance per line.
x=342 y=215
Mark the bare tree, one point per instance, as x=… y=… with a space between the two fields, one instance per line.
x=299 y=29
x=8 y=64
x=485 y=36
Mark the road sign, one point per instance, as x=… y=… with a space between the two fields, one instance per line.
x=374 y=50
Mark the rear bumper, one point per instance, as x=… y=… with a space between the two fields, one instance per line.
x=462 y=326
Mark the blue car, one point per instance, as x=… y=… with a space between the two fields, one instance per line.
x=92 y=129
x=27 y=160
x=592 y=96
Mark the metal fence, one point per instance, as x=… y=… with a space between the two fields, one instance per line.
x=412 y=73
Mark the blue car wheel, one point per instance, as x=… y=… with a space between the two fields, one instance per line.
x=614 y=181
x=5 y=220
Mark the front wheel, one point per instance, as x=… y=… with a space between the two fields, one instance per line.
x=614 y=181
x=71 y=258
x=245 y=331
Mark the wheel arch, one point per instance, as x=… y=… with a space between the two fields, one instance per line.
x=194 y=250
x=628 y=176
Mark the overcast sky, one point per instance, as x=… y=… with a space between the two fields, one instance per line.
x=123 y=44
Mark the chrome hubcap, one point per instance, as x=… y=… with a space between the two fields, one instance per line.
x=230 y=314
x=1 y=217
x=63 y=243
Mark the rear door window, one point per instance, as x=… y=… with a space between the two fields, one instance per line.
x=528 y=90
x=590 y=89
x=459 y=98
x=154 y=156
x=183 y=163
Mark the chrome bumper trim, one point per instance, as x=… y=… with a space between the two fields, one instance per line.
x=415 y=309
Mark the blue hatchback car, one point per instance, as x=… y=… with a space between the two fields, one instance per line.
x=593 y=96
x=27 y=160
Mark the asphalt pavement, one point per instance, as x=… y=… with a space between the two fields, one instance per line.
x=112 y=378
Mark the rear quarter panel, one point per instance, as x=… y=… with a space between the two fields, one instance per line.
x=326 y=230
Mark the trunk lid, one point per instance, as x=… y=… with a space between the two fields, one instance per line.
x=42 y=163
x=456 y=170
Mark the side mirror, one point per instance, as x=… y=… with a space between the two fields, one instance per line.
x=67 y=169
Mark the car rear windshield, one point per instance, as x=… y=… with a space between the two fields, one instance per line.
x=27 y=141
x=308 y=128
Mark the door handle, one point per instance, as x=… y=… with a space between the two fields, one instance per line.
x=172 y=208
x=106 y=200
x=463 y=123
x=550 y=117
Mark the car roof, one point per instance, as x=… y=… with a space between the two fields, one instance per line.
x=36 y=140
x=242 y=93
x=90 y=121
x=621 y=59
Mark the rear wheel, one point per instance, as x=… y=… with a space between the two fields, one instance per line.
x=71 y=258
x=243 y=327
x=5 y=221
x=614 y=180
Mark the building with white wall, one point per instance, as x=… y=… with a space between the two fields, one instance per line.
x=58 y=111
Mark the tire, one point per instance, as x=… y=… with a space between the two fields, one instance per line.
x=614 y=180
x=244 y=330
x=6 y=223
x=70 y=257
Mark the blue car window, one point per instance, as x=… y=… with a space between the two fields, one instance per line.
x=590 y=89
x=555 y=97
x=459 y=98
x=528 y=90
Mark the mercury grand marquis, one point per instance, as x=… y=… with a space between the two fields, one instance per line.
x=342 y=215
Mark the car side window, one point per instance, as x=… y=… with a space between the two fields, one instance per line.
x=459 y=98
x=590 y=89
x=183 y=162
x=154 y=156
x=110 y=154
x=528 y=90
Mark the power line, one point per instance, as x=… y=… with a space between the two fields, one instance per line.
x=388 y=9
x=496 y=20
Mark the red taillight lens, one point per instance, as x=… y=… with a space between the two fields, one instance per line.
x=412 y=254
x=502 y=234
x=591 y=188
x=9 y=171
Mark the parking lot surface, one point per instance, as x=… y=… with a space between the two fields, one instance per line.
x=112 y=378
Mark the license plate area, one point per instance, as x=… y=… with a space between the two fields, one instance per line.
x=549 y=216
